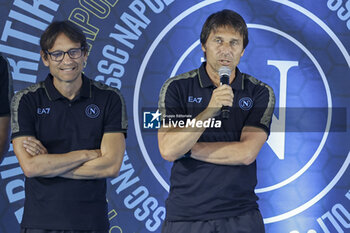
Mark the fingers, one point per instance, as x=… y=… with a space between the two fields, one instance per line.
x=31 y=150
x=222 y=96
x=36 y=142
x=34 y=146
x=93 y=154
x=98 y=152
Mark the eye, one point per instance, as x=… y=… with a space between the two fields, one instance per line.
x=56 y=54
x=74 y=52
x=218 y=41
x=234 y=42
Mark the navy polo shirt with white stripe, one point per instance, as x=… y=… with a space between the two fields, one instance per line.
x=64 y=125
x=201 y=190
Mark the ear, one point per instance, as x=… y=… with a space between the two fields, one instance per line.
x=242 y=52
x=85 y=56
x=45 y=58
x=203 y=48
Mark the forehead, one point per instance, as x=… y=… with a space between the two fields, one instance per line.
x=64 y=43
x=226 y=32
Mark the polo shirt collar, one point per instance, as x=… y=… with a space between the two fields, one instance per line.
x=54 y=94
x=205 y=81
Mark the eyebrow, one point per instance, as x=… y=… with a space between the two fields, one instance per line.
x=62 y=50
x=234 y=40
x=221 y=38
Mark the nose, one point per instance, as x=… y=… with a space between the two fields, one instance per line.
x=66 y=59
x=226 y=49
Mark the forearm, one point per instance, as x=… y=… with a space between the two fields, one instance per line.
x=51 y=165
x=94 y=169
x=175 y=142
x=243 y=152
x=224 y=153
x=45 y=164
x=107 y=165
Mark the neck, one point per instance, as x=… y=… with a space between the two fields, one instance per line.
x=68 y=89
x=215 y=78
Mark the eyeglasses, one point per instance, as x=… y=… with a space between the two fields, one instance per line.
x=72 y=53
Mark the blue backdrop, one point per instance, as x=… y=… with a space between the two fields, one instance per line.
x=298 y=47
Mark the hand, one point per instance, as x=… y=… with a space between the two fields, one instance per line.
x=222 y=96
x=97 y=152
x=34 y=147
x=93 y=154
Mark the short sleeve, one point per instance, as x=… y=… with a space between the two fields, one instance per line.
x=170 y=101
x=115 y=117
x=22 y=116
x=263 y=106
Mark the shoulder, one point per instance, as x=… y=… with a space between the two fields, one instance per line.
x=260 y=92
x=28 y=91
x=255 y=84
x=177 y=83
x=181 y=79
x=26 y=97
x=103 y=88
x=105 y=92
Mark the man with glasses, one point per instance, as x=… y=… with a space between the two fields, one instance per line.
x=68 y=133
x=5 y=98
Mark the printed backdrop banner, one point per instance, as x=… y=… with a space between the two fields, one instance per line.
x=299 y=47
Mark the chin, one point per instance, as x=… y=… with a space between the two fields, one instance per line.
x=69 y=79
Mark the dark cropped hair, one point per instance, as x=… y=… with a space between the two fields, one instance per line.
x=224 y=18
x=73 y=32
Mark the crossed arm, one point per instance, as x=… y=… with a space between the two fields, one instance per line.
x=81 y=164
x=243 y=152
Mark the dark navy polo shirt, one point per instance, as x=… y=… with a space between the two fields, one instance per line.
x=5 y=87
x=63 y=126
x=201 y=190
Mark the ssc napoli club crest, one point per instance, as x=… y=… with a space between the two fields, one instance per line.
x=245 y=103
x=299 y=48
x=92 y=111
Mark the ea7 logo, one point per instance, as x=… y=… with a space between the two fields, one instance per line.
x=41 y=111
x=192 y=99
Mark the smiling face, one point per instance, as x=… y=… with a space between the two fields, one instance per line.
x=224 y=47
x=68 y=70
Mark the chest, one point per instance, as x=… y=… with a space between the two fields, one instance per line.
x=195 y=100
x=65 y=125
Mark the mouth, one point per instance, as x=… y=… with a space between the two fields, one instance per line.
x=67 y=69
x=224 y=62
